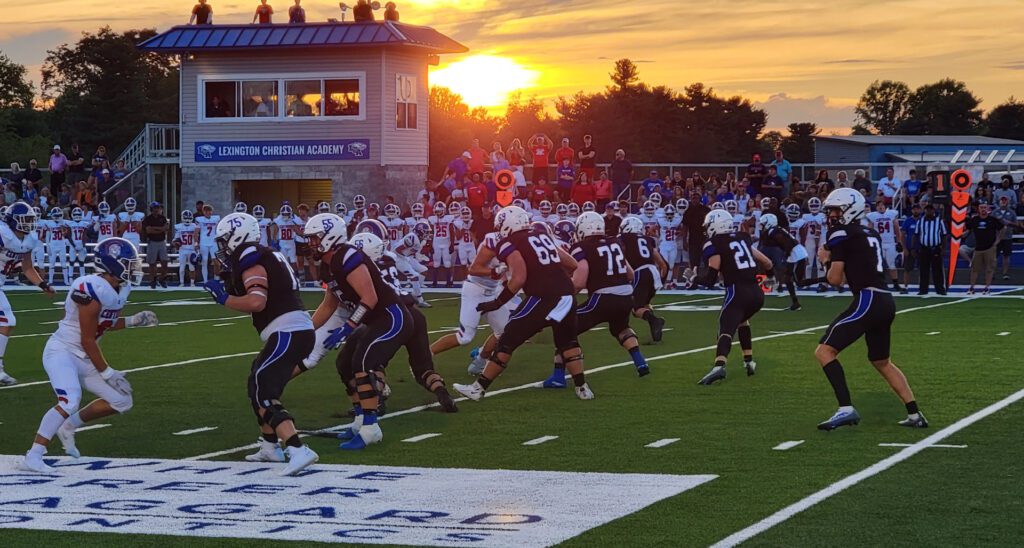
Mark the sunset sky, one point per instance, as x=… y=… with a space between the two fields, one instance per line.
x=800 y=60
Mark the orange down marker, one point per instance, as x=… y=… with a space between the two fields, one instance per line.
x=504 y=180
x=960 y=200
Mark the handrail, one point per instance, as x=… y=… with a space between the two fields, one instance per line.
x=122 y=180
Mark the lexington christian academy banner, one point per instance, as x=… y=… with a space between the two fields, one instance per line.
x=282 y=151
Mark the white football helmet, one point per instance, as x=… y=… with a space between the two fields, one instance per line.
x=241 y=207
x=325 y=231
x=589 y=206
x=511 y=219
x=286 y=212
x=454 y=209
x=849 y=202
x=104 y=208
x=323 y=207
x=732 y=206
x=574 y=209
x=440 y=209
x=631 y=225
x=130 y=204
x=766 y=203
x=467 y=214
x=187 y=217
x=371 y=245
x=718 y=206
x=768 y=221
x=589 y=224
x=417 y=210
x=670 y=212
x=77 y=214
x=682 y=204
x=656 y=199
x=233 y=231
x=649 y=208
x=259 y=212
x=359 y=201
x=392 y=211
x=544 y=207
x=793 y=212
x=57 y=214
x=562 y=211
x=717 y=222
x=814 y=205
x=340 y=209
x=518 y=202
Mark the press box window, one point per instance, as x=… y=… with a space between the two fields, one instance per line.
x=303 y=98
x=405 y=101
x=342 y=97
x=259 y=99
x=221 y=99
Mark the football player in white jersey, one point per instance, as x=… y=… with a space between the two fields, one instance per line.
x=544 y=214
x=207 y=241
x=814 y=225
x=186 y=236
x=39 y=250
x=57 y=245
x=72 y=357
x=682 y=257
x=77 y=226
x=733 y=208
x=561 y=213
x=572 y=212
x=341 y=210
x=587 y=207
x=669 y=229
x=441 y=243
x=885 y=221
x=656 y=199
x=482 y=284
x=796 y=221
x=323 y=207
x=286 y=224
x=129 y=222
x=649 y=217
x=306 y=266
x=18 y=239
x=260 y=213
x=104 y=223
x=407 y=258
x=241 y=207
x=415 y=217
x=394 y=222
x=465 y=244
x=358 y=213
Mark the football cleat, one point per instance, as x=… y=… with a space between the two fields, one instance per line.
x=751 y=367
x=584 y=393
x=298 y=459
x=643 y=370
x=7 y=380
x=446 y=401
x=794 y=307
x=919 y=422
x=476 y=364
x=472 y=391
x=657 y=326
x=423 y=303
x=716 y=374
x=368 y=435
x=269 y=452
x=66 y=433
x=35 y=464
x=556 y=380
x=841 y=418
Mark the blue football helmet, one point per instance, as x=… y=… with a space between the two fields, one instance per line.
x=564 y=231
x=21 y=217
x=119 y=258
x=373 y=226
x=540 y=227
x=422 y=230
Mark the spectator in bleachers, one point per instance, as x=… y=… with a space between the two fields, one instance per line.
x=17 y=177
x=105 y=182
x=516 y=154
x=602 y=190
x=29 y=193
x=782 y=167
x=264 y=13
x=66 y=196
x=756 y=174
x=620 y=172
x=842 y=180
x=822 y=178
x=861 y=182
x=911 y=190
x=583 y=190
x=458 y=168
x=773 y=185
x=652 y=179
x=477 y=157
x=495 y=149
x=33 y=174
x=587 y=157
x=84 y=196
x=99 y=163
x=76 y=165
x=296 y=13
x=45 y=200
x=540 y=149
x=476 y=195
x=565 y=152
x=498 y=161
x=58 y=168
x=428 y=195
x=9 y=195
x=888 y=185
x=1005 y=191
x=566 y=177
x=202 y=14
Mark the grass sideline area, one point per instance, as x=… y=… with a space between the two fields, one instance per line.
x=960 y=355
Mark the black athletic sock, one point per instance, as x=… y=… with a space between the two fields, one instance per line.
x=649 y=316
x=896 y=284
x=746 y=339
x=270 y=438
x=719 y=362
x=748 y=359
x=484 y=382
x=912 y=407
x=791 y=287
x=293 y=441
x=579 y=379
x=837 y=377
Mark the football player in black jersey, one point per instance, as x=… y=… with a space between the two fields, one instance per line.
x=648 y=271
x=785 y=252
x=378 y=326
x=854 y=253
x=261 y=282
x=421 y=359
x=731 y=253
x=541 y=269
x=602 y=270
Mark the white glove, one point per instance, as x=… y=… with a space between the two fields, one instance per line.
x=116 y=380
x=142 y=319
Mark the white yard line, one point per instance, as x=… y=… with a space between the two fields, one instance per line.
x=787 y=445
x=222 y=324
x=1003 y=334
x=93 y=427
x=869 y=472
x=421 y=437
x=540 y=440
x=662 y=443
x=148 y=367
x=493 y=393
x=933 y=333
x=194 y=431
x=939 y=445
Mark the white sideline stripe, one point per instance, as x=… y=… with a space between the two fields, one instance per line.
x=60 y=304
x=421 y=437
x=939 y=445
x=1003 y=334
x=147 y=368
x=537 y=384
x=662 y=443
x=222 y=324
x=540 y=440
x=195 y=431
x=933 y=333
x=787 y=445
x=873 y=470
x=168 y=324
x=93 y=427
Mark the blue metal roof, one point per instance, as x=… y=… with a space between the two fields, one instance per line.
x=238 y=37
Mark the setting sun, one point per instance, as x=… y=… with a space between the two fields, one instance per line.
x=484 y=80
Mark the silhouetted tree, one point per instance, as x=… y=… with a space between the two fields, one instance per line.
x=883 y=107
x=1006 y=120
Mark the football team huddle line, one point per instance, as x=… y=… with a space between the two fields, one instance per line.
x=367 y=313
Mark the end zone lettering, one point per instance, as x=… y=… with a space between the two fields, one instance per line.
x=330 y=503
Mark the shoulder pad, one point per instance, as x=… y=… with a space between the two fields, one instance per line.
x=84 y=294
x=248 y=258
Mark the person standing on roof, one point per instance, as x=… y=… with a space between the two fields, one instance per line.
x=264 y=13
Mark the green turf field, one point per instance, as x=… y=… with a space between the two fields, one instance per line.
x=952 y=351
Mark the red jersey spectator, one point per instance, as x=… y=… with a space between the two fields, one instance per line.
x=516 y=154
x=583 y=190
x=536 y=193
x=602 y=189
x=565 y=153
x=540 y=147
x=476 y=194
x=477 y=157
x=264 y=13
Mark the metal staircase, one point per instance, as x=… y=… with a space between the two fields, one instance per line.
x=153 y=170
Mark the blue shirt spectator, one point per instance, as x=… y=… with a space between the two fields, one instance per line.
x=650 y=181
x=912 y=187
x=459 y=166
x=909 y=226
x=782 y=167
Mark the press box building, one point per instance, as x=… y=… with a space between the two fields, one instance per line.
x=302 y=112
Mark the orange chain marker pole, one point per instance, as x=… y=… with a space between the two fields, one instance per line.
x=960 y=200
x=504 y=180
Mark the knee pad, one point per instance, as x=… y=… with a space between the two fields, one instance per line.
x=746 y=341
x=724 y=344
x=574 y=346
x=431 y=380
x=499 y=358
x=123 y=404
x=365 y=386
x=625 y=336
x=463 y=337
x=69 y=403
x=276 y=414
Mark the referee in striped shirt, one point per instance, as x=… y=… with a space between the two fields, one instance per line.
x=929 y=238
